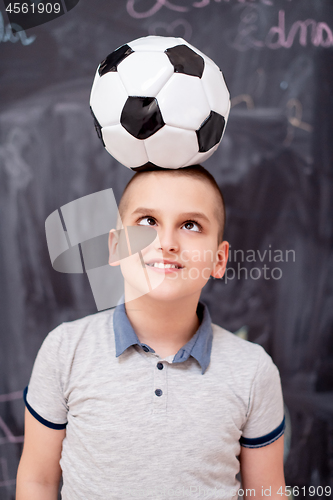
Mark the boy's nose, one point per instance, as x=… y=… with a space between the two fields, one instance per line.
x=167 y=241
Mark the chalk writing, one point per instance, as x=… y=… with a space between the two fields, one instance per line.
x=7 y=34
x=159 y=4
x=319 y=34
x=179 y=27
x=247 y=28
x=9 y=437
x=12 y=157
x=242 y=98
x=295 y=112
x=11 y=396
x=4 y=474
x=205 y=3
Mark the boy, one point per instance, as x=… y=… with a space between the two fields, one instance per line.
x=150 y=399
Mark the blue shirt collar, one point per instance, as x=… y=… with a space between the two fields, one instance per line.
x=199 y=346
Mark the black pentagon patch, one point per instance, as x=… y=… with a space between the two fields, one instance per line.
x=98 y=127
x=141 y=117
x=210 y=132
x=148 y=167
x=111 y=62
x=185 y=60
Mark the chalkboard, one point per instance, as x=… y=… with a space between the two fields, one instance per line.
x=274 y=167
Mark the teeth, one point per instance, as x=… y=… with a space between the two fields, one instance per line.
x=160 y=265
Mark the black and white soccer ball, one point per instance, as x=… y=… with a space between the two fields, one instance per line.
x=158 y=101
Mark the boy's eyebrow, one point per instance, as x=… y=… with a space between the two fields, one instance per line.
x=185 y=215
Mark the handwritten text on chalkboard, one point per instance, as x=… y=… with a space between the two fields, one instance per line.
x=159 y=4
x=306 y=32
x=7 y=34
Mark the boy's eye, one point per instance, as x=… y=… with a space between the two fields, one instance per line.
x=192 y=226
x=147 y=221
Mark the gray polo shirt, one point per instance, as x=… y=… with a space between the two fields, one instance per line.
x=138 y=425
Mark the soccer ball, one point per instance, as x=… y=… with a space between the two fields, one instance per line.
x=159 y=102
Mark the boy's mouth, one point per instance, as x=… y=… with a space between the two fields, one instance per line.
x=165 y=264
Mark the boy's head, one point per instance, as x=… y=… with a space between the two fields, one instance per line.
x=186 y=208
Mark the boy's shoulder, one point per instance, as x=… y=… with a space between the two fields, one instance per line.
x=95 y=320
x=86 y=330
x=228 y=348
x=227 y=338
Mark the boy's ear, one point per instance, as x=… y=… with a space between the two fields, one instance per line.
x=222 y=259
x=113 y=248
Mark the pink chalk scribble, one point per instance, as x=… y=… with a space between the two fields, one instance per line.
x=179 y=27
x=321 y=33
x=159 y=4
x=155 y=8
x=307 y=32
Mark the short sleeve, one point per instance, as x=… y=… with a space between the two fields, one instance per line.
x=43 y=396
x=265 y=421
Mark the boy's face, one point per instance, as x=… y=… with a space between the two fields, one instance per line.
x=183 y=212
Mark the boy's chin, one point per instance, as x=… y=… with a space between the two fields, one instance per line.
x=157 y=286
x=165 y=292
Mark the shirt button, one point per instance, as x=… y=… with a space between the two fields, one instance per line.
x=160 y=366
x=158 y=392
x=145 y=348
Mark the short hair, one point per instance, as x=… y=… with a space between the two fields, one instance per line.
x=193 y=171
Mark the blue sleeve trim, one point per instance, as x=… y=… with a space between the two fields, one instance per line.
x=264 y=440
x=38 y=417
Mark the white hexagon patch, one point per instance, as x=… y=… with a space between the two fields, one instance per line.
x=144 y=74
x=171 y=147
x=108 y=98
x=183 y=102
x=124 y=147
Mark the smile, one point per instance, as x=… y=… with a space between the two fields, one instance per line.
x=160 y=265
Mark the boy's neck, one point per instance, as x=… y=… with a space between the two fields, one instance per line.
x=165 y=326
